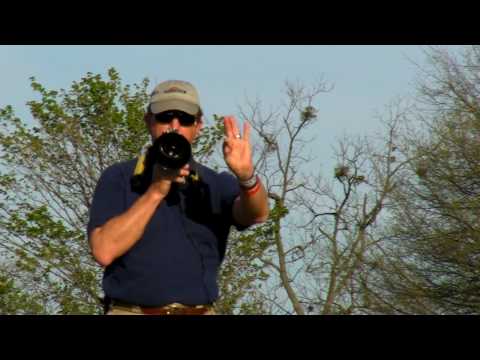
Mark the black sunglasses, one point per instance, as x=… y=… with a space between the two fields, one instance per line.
x=167 y=116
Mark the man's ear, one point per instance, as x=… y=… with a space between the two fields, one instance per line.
x=198 y=128
x=146 y=118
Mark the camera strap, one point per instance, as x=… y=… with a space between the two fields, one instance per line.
x=140 y=166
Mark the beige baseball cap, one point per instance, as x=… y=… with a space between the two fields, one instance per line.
x=175 y=95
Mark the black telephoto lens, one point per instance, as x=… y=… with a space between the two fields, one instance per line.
x=171 y=150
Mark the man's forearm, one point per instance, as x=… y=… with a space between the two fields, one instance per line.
x=120 y=233
x=251 y=207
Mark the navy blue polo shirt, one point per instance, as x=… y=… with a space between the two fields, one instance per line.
x=179 y=255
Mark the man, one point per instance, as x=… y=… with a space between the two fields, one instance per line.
x=162 y=247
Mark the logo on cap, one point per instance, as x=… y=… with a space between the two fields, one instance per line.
x=175 y=89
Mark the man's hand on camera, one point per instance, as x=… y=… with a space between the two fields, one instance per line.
x=163 y=178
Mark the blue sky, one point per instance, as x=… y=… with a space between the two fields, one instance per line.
x=365 y=78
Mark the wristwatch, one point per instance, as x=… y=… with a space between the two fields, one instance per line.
x=247 y=184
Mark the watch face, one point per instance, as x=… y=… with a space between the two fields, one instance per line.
x=249 y=183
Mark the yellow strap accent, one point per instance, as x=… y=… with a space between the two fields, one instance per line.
x=140 y=165
x=194 y=177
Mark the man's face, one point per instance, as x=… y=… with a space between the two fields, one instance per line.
x=178 y=121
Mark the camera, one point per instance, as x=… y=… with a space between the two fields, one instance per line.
x=170 y=150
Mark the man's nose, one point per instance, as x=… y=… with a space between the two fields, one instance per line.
x=175 y=124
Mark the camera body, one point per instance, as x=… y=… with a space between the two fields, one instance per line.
x=170 y=150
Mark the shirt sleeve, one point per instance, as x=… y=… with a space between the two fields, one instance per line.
x=108 y=199
x=230 y=189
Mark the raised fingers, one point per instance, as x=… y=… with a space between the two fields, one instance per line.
x=231 y=128
x=235 y=129
x=246 y=130
x=228 y=127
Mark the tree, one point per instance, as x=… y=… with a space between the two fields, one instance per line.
x=319 y=232
x=14 y=300
x=49 y=173
x=318 y=252
x=49 y=170
x=342 y=217
x=433 y=254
